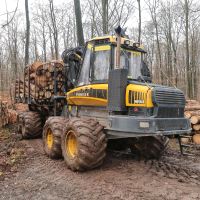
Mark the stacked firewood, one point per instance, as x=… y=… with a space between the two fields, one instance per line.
x=19 y=85
x=44 y=80
x=7 y=116
x=12 y=116
x=4 y=115
x=192 y=112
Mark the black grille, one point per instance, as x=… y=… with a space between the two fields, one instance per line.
x=169 y=103
x=166 y=96
x=172 y=125
x=168 y=112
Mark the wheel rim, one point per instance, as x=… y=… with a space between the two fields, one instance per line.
x=71 y=144
x=49 y=139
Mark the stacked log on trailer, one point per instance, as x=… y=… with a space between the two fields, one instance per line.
x=45 y=84
x=42 y=82
x=19 y=90
x=29 y=80
x=45 y=77
x=192 y=112
x=40 y=78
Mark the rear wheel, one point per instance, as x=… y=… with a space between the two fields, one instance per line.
x=52 y=132
x=30 y=125
x=83 y=144
x=150 y=147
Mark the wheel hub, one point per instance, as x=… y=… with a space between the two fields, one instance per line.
x=49 y=139
x=71 y=144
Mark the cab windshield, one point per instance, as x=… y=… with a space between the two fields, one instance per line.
x=131 y=60
x=97 y=63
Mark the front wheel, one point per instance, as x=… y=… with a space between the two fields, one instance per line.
x=83 y=144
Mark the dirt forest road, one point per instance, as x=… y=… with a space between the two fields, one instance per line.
x=121 y=177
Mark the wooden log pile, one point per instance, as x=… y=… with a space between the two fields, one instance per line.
x=12 y=116
x=192 y=112
x=43 y=80
x=4 y=115
x=7 y=116
x=19 y=92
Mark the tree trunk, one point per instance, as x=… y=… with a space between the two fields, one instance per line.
x=159 y=51
x=187 y=53
x=36 y=48
x=27 y=33
x=79 y=25
x=105 y=16
x=55 y=30
x=51 y=42
x=44 y=45
x=140 y=21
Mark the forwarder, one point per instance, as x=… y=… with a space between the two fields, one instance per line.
x=110 y=101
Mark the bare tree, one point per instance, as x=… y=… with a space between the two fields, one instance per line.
x=140 y=21
x=105 y=16
x=153 y=8
x=79 y=25
x=187 y=53
x=27 y=33
x=54 y=29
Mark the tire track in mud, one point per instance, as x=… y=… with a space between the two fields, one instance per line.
x=121 y=176
x=172 y=165
x=175 y=166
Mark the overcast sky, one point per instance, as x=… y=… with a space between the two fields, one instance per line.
x=11 y=5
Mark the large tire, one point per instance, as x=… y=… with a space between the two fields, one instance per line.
x=151 y=147
x=83 y=144
x=52 y=132
x=30 y=125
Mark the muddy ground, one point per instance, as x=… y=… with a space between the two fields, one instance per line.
x=26 y=173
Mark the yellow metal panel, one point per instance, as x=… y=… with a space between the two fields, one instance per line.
x=112 y=39
x=102 y=48
x=89 y=46
x=140 y=93
x=85 y=99
x=93 y=86
x=99 y=48
x=150 y=100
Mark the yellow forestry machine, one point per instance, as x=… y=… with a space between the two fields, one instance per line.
x=109 y=101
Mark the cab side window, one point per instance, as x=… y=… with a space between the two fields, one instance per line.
x=101 y=65
x=84 y=76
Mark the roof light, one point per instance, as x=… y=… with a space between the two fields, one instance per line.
x=136 y=44
x=127 y=42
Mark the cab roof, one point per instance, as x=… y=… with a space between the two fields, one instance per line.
x=113 y=39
